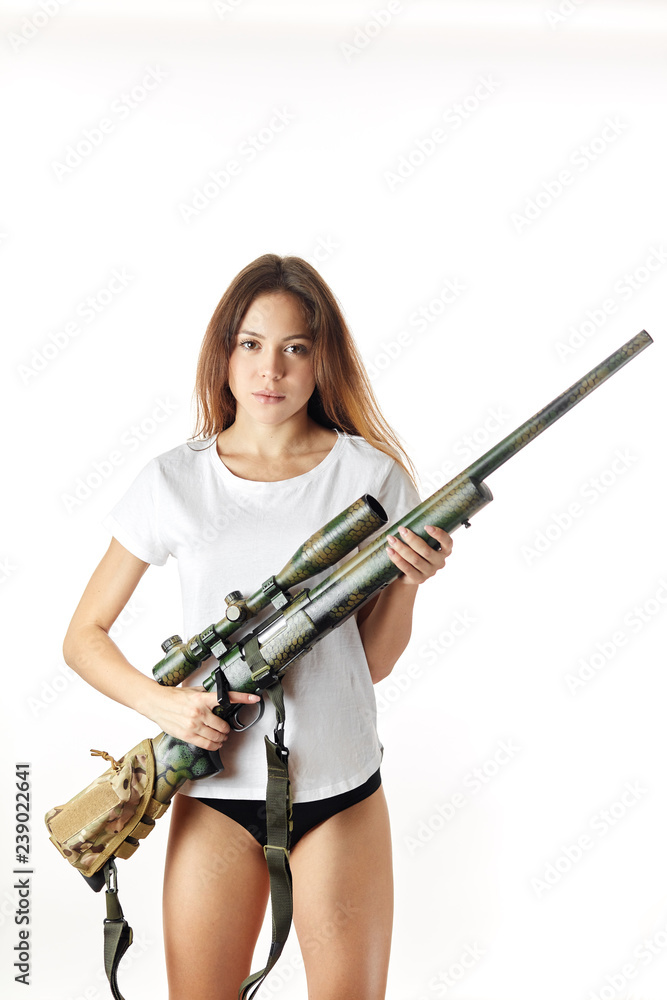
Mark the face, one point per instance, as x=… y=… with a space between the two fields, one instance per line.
x=270 y=365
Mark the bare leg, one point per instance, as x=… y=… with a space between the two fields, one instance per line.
x=343 y=902
x=215 y=895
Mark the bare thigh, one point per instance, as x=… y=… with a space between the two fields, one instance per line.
x=215 y=894
x=343 y=902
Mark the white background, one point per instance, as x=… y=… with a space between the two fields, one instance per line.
x=539 y=593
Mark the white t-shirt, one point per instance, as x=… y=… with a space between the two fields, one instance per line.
x=230 y=534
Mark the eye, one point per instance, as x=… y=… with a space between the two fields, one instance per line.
x=297 y=349
x=248 y=345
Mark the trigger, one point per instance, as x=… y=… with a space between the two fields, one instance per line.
x=235 y=722
x=221 y=691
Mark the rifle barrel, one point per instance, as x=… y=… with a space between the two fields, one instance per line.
x=519 y=438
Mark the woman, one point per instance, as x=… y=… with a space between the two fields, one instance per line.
x=291 y=435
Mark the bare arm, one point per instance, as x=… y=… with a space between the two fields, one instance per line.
x=182 y=712
x=385 y=623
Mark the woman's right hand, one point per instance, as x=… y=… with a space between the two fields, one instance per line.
x=187 y=714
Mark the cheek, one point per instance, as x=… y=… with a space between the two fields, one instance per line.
x=236 y=369
x=309 y=377
x=233 y=374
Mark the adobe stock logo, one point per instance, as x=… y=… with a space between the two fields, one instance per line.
x=634 y=621
x=130 y=441
x=225 y=7
x=581 y=159
x=88 y=309
x=591 y=491
x=473 y=782
x=419 y=320
x=643 y=954
x=33 y=24
x=365 y=33
x=565 y=9
x=248 y=151
x=600 y=825
x=449 y=978
x=454 y=118
x=120 y=110
x=631 y=282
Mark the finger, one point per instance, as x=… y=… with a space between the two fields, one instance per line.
x=446 y=541
x=206 y=738
x=409 y=562
x=420 y=545
x=410 y=574
x=416 y=551
x=243 y=697
x=203 y=720
x=211 y=745
x=221 y=728
x=408 y=556
x=215 y=743
x=435 y=557
x=214 y=728
x=235 y=697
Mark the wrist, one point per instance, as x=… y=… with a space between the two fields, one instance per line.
x=144 y=694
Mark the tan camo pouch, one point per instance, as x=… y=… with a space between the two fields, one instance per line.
x=110 y=815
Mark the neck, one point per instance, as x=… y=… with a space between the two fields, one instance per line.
x=268 y=442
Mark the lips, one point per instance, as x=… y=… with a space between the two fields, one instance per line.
x=269 y=397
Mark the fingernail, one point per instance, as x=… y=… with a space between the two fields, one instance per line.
x=254 y=697
x=390 y=539
x=403 y=531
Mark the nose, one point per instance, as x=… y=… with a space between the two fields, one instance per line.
x=271 y=364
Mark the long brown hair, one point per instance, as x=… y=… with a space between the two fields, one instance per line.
x=343 y=397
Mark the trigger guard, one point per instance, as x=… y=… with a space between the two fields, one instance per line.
x=234 y=722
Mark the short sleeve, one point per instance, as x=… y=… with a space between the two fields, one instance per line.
x=135 y=520
x=397 y=493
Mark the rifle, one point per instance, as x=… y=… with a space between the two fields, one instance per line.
x=257 y=661
x=265 y=653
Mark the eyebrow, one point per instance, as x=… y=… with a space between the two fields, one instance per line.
x=294 y=336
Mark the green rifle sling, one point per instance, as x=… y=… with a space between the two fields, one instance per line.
x=276 y=852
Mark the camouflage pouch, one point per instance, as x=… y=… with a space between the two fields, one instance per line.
x=111 y=815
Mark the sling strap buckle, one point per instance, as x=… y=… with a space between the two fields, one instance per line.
x=274 y=847
x=117 y=932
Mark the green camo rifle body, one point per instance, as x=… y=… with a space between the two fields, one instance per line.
x=305 y=619
x=177 y=762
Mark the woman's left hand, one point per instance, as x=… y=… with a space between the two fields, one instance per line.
x=414 y=557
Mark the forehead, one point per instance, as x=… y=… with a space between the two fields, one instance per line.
x=275 y=313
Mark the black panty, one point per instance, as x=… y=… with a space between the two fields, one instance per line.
x=251 y=813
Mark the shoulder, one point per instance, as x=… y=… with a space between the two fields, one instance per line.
x=173 y=472
x=184 y=458
x=375 y=462
x=384 y=477
x=357 y=449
